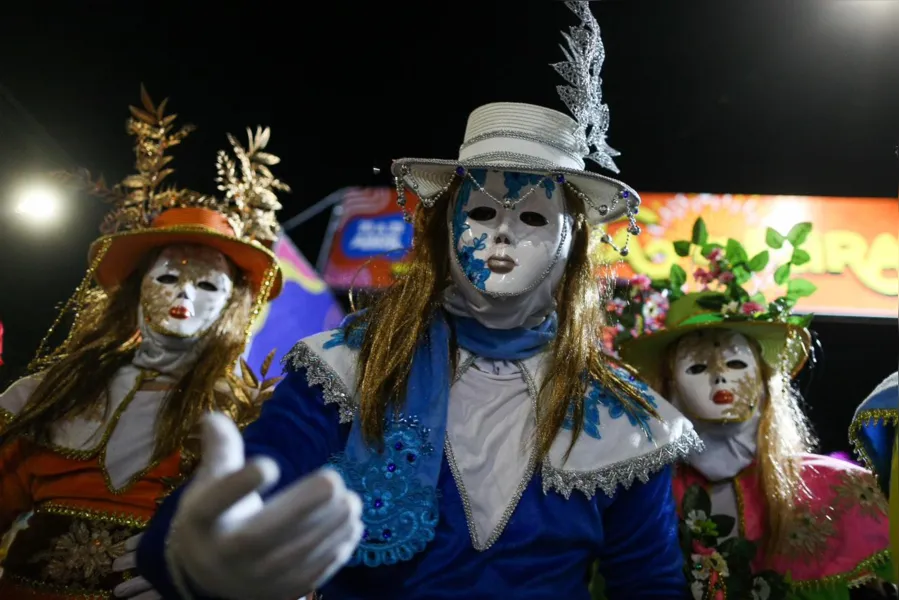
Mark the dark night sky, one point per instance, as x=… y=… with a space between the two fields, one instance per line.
x=797 y=97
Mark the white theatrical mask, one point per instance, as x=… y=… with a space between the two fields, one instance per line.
x=185 y=291
x=509 y=230
x=717 y=377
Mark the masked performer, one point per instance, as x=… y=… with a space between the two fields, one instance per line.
x=98 y=435
x=873 y=433
x=761 y=517
x=495 y=449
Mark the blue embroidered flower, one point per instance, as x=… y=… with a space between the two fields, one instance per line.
x=399 y=512
x=598 y=396
x=475 y=269
x=339 y=338
x=516 y=181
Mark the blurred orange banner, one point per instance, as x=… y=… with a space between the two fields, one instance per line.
x=853 y=245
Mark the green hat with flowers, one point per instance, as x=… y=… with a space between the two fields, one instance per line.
x=653 y=314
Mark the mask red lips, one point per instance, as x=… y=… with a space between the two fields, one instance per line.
x=180 y=312
x=723 y=397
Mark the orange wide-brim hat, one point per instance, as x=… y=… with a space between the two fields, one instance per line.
x=201 y=226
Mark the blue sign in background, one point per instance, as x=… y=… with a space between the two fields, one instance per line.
x=366 y=237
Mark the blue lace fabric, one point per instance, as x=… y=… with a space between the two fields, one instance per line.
x=399 y=512
x=597 y=396
x=397 y=483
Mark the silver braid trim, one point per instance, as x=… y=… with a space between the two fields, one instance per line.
x=623 y=473
x=320 y=373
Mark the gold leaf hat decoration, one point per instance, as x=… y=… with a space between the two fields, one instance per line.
x=149 y=212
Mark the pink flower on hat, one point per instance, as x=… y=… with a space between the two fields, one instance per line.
x=726 y=277
x=750 y=308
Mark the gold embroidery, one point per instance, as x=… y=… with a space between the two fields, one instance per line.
x=860 y=575
x=868 y=418
x=741 y=507
x=809 y=533
x=6 y=418
x=74 y=454
x=859 y=489
x=84 y=554
x=120 y=519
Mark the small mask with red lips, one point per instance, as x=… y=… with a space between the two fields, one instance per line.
x=716 y=376
x=185 y=291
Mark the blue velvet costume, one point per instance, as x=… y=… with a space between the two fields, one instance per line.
x=547 y=546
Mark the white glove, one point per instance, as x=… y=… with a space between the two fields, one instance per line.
x=232 y=545
x=136 y=588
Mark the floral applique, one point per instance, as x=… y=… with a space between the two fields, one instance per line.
x=516 y=181
x=475 y=269
x=719 y=570
x=346 y=335
x=597 y=396
x=84 y=554
x=859 y=489
x=808 y=533
x=399 y=512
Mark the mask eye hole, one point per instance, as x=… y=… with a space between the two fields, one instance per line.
x=209 y=287
x=167 y=279
x=533 y=219
x=736 y=364
x=482 y=213
x=696 y=369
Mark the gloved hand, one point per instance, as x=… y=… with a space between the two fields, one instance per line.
x=136 y=588
x=231 y=545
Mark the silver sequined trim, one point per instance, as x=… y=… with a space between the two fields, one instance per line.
x=623 y=473
x=320 y=373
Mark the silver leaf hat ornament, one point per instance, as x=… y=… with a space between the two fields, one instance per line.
x=525 y=138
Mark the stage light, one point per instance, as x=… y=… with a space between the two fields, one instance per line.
x=39 y=204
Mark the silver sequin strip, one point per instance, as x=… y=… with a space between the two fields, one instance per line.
x=320 y=373
x=623 y=473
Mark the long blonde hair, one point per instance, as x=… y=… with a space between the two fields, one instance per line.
x=784 y=434
x=398 y=319
x=104 y=338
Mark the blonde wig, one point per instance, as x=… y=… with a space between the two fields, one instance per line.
x=104 y=338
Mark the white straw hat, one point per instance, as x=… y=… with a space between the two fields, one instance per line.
x=510 y=136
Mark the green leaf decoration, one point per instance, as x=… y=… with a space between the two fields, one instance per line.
x=758 y=298
x=738 y=548
x=774 y=239
x=741 y=294
x=724 y=524
x=799 y=233
x=800 y=320
x=735 y=252
x=741 y=274
x=682 y=248
x=709 y=248
x=782 y=274
x=700 y=233
x=800 y=288
x=696 y=498
x=759 y=261
x=712 y=301
x=677 y=276
x=800 y=257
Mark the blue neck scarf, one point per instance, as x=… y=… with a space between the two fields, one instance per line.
x=398 y=483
